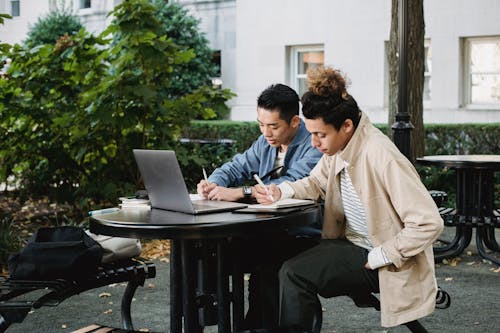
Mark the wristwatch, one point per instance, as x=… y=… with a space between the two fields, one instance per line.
x=247 y=191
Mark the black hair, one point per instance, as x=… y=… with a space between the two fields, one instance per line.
x=281 y=98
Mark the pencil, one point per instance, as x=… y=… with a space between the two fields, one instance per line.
x=256 y=177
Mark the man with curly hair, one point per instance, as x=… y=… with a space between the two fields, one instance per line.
x=379 y=221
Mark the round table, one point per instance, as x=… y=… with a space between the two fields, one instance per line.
x=190 y=234
x=475 y=202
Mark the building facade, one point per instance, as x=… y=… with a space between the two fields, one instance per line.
x=259 y=42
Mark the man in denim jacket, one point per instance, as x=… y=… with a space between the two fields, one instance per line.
x=282 y=152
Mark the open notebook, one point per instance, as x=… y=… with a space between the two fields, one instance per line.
x=281 y=206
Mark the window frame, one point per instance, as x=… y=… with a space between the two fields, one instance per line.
x=293 y=69
x=466 y=88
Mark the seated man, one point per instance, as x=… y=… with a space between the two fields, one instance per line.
x=379 y=222
x=282 y=152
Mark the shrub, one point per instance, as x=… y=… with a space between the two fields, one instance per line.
x=49 y=28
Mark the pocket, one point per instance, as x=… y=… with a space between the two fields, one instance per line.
x=400 y=289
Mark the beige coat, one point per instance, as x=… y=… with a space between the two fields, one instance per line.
x=400 y=213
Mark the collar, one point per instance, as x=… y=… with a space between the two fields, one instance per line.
x=350 y=153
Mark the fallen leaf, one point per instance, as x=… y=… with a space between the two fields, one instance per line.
x=151 y=285
x=64 y=326
x=448 y=279
x=144 y=330
x=108 y=311
x=497 y=270
x=454 y=262
x=469 y=253
x=104 y=294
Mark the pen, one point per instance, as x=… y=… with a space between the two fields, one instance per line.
x=256 y=177
x=205 y=176
x=103 y=211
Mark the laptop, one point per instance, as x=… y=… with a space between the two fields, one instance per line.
x=166 y=187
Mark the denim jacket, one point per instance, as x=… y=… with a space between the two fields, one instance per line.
x=259 y=159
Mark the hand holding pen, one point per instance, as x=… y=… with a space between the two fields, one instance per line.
x=204 y=187
x=268 y=193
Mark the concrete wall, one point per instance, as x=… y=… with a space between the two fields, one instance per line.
x=353 y=34
x=253 y=36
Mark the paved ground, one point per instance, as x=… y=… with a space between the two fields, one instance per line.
x=474 y=286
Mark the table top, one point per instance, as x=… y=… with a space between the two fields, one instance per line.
x=164 y=224
x=490 y=162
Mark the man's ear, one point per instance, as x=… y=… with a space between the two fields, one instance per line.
x=348 y=126
x=295 y=121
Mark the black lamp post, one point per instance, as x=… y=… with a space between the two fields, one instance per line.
x=402 y=126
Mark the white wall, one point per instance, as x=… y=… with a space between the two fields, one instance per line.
x=14 y=30
x=218 y=22
x=253 y=36
x=353 y=33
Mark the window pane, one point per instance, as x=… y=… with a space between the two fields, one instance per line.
x=427 y=71
x=85 y=4
x=309 y=59
x=14 y=8
x=427 y=88
x=484 y=70
x=302 y=86
x=485 y=88
x=485 y=56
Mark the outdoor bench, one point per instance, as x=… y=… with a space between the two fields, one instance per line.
x=14 y=308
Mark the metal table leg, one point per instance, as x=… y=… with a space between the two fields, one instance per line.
x=175 y=287
x=190 y=309
x=223 y=314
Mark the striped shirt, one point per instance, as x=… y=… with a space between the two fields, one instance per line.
x=356 y=226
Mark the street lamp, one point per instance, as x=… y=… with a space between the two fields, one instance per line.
x=402 y=126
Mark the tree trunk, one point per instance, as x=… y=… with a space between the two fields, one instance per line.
x=416 y=59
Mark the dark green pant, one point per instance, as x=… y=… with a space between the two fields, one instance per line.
x=333 y=268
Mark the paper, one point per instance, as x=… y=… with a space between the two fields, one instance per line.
x=284 y=203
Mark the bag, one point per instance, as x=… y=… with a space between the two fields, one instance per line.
x=116 y=248
x=57 y=252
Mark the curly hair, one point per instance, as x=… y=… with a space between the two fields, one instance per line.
x=327 y=98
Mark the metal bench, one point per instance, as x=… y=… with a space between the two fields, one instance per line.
x=14 y=309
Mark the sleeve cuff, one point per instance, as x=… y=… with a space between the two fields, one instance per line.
x=377 y=258
x=286 y=190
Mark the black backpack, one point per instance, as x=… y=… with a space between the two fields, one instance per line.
x=57 y=252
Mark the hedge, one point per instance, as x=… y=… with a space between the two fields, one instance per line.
x=441 y=139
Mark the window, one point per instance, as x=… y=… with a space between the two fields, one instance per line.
x=15 y=8
x=427 y=71
x=85 y=4
x=482 y=72
x=216 y=60
x=303 y=58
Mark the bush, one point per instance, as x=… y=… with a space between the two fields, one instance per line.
x=69 y=122
x=49 y=28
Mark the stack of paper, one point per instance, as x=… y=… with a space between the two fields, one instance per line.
x=132 y=202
